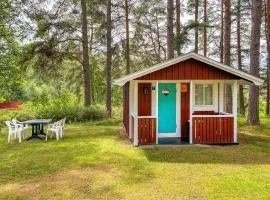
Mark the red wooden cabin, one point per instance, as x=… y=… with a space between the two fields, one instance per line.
x=190 y=98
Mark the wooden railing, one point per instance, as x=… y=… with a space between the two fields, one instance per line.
x=146 y=130
x=213 y=129
x=205 y=113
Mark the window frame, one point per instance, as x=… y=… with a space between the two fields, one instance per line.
x=204 y=105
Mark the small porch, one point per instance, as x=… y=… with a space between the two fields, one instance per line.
x=205 y=112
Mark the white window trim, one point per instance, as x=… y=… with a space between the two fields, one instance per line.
x=205 y=105
x=214 y=106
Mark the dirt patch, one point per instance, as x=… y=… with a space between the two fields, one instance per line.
x=75 y=184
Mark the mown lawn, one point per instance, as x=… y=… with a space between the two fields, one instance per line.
x=98 y=162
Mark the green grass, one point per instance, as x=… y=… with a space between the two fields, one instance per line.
x=95 y=161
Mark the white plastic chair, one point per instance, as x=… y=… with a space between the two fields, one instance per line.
x=25 y=126
x=11 y=130
x=62 y=123
x=54 y=128
x=19 y=127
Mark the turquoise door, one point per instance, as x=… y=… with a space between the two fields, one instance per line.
x=167 y=108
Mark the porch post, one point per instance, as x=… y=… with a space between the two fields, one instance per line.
x=190 y=111
x=131 y=106
x=234 y=108
x=136 y=113
x=156 y=112
x=221 y=96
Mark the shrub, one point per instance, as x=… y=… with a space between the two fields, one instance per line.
x=93 y=113
x=73 y=114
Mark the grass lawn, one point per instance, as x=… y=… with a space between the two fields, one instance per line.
x=98 y=162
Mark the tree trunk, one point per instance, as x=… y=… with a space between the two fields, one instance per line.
x=227 y=53
x=109 y=60
x=267 y=109
x=204 y=29
x=158 y=40
x=253 y=109
x=267 y=33
x=92 y=67
x=127 y=37
x=239 y=59
x=221 y=32
x=196 y=25
x=86 y=65
x=178 y=26
x=170 y=53
x=227 y=33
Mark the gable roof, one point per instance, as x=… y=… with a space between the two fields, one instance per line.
x=231 y=70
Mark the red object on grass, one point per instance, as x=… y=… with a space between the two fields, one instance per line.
x=11 y=105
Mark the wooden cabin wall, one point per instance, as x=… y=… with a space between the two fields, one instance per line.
x=189 y=70
x=126 y=106
x=144 y=100
x=185 y=111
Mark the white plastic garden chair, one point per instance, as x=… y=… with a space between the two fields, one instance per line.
x=62 y=123
x=54 y=128
x=11 y=130
x=22 y=128
x=25 y=126
x=14 y=131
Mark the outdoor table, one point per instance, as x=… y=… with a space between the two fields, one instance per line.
x=37 y=127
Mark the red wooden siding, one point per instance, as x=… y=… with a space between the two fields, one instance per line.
x=126 y=107
x=144 y=100
x=146 y=131
x=213 y=130
x=189 y=70
x=185 y=113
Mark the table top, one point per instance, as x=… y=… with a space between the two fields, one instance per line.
x=37 y=121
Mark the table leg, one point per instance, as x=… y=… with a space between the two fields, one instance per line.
x=42 y=130
x=34 y=132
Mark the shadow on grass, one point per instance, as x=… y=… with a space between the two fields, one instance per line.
x=251 y=150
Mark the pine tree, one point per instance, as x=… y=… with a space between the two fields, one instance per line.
x=109 y=59
x=204 y=28
x=86 y=65
x=196 y=6
x=170 y=53
x=227 y=52
x=178 y=26
x=127 y=36
x=222 y=31
x=267 y=33
x=253 y=108
x=239 y=58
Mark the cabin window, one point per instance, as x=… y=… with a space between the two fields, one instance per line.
x=203 y=94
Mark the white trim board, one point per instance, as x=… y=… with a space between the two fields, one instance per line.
x=167 y=135
x=231 y=70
